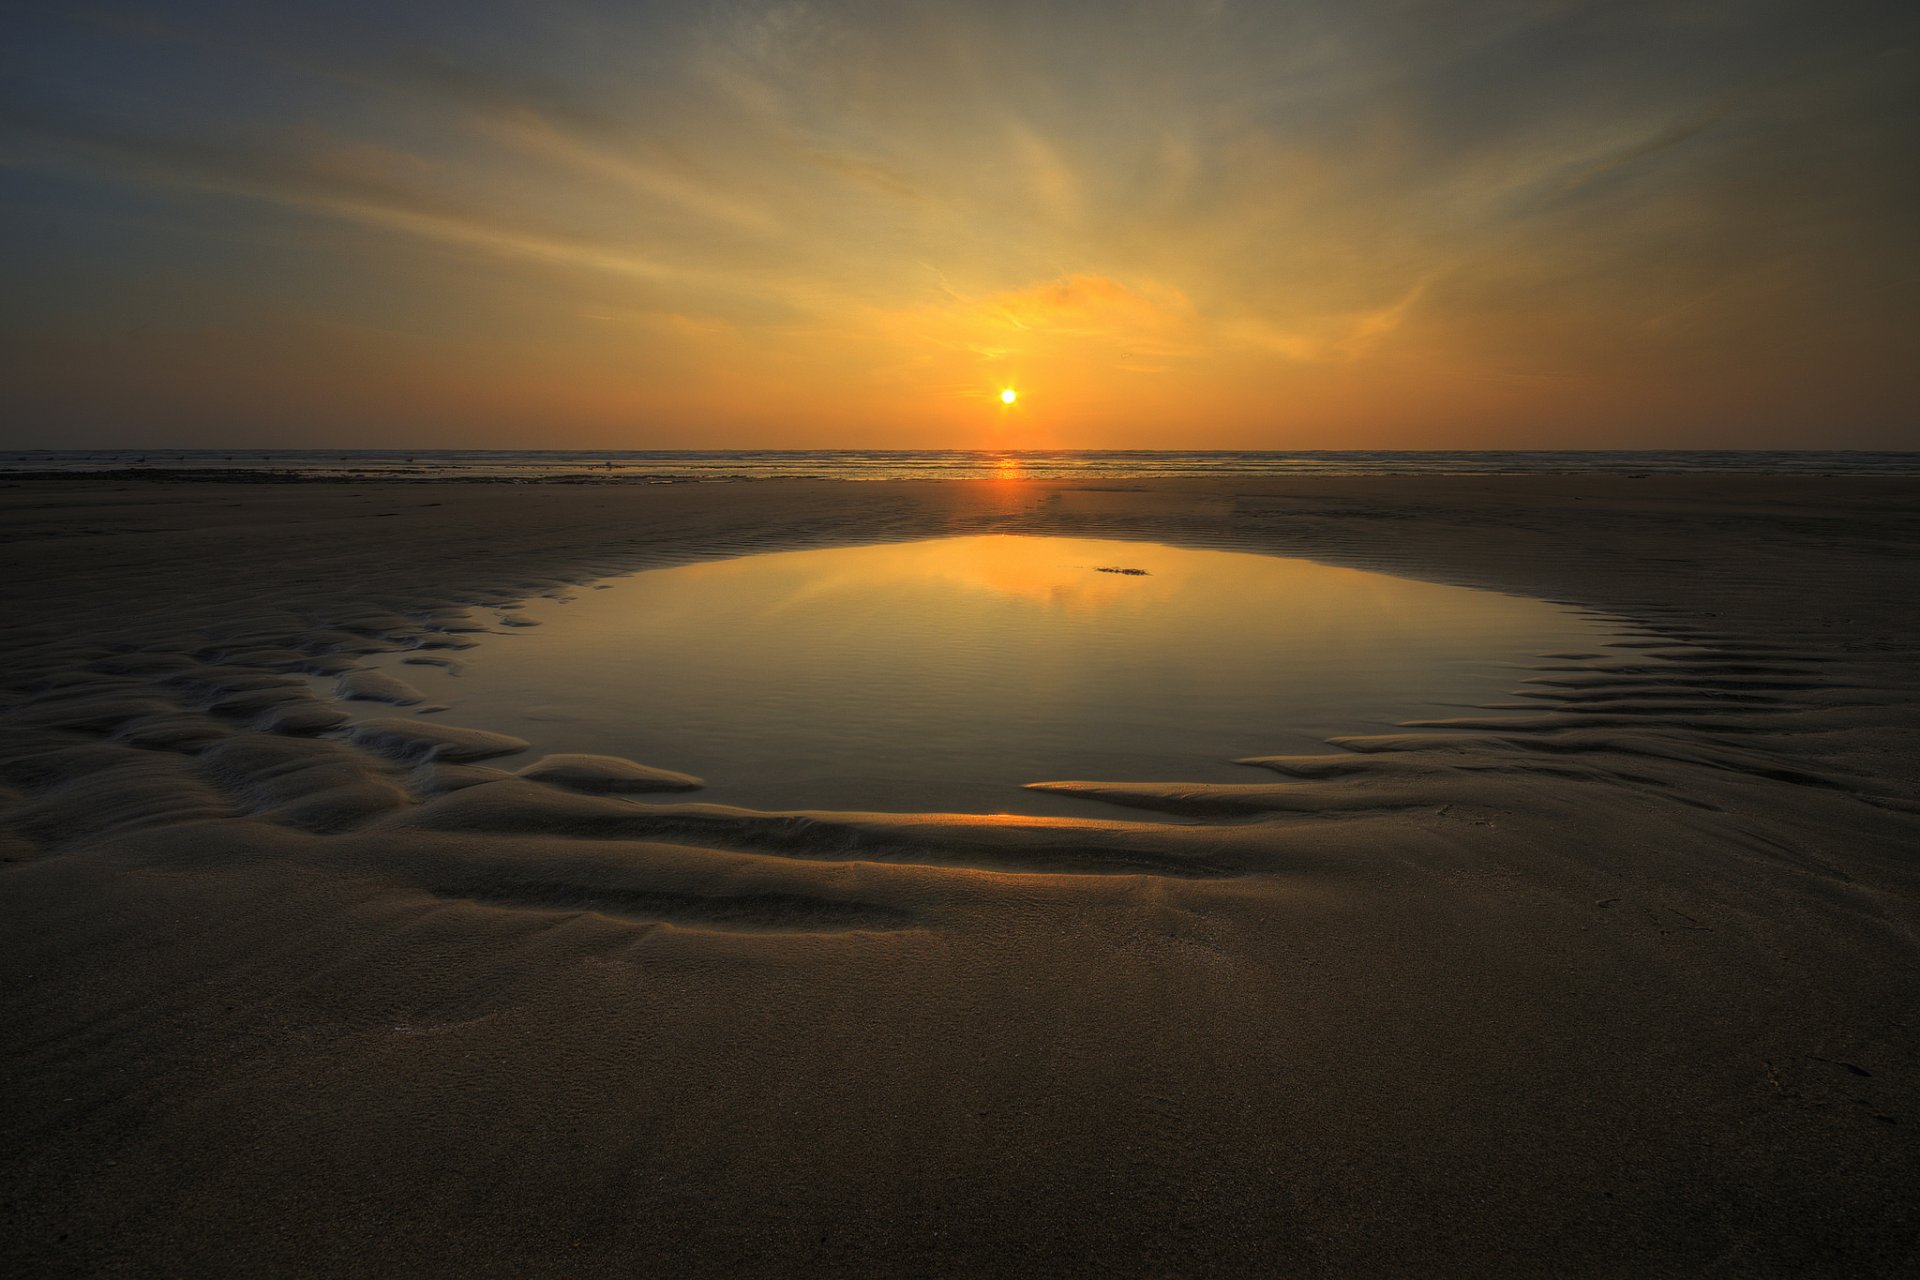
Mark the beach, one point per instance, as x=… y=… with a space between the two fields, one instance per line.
x=1618 y=978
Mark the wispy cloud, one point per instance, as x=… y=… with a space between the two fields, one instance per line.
x=355 y=182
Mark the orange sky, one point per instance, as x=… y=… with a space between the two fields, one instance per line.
x=815 y=225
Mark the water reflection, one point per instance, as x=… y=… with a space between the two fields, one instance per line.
x=942 y=675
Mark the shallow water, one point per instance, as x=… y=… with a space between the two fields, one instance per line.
x=942 y=675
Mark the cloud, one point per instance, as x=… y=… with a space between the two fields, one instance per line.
x=307 y=171
x=1663 y=138
x=1326 y=339
x=1053 y=186
x=1090 y=304
x=866 y=172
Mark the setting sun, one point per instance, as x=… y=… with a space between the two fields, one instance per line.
x=1007 y=396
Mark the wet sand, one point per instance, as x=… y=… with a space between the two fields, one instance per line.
x=1620 y=977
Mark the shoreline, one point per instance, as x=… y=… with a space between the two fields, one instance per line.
x=1557 y=990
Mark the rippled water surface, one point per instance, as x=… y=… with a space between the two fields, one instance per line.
x=575 y=466
x=941 y=675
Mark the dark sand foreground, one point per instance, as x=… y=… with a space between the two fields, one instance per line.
x=1622 y=979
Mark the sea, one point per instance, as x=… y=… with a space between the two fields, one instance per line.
x=554 y=466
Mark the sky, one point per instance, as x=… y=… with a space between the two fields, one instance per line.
x=1315 y=224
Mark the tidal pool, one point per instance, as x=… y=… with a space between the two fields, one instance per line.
x=942 y=675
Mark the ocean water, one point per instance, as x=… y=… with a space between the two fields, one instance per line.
x=672 y=466
x=942 y=675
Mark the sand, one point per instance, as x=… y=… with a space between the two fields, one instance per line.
x=1619 y=978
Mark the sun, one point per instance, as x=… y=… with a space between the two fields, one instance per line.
x=1007 y=396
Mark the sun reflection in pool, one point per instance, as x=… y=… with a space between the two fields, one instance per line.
x=941 y=675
